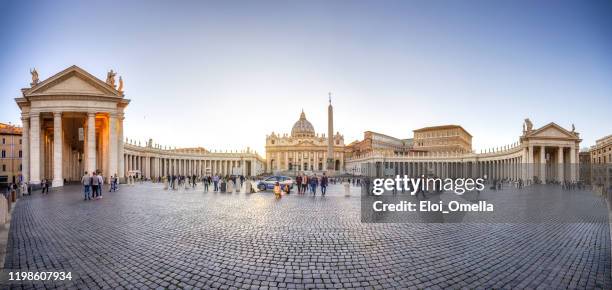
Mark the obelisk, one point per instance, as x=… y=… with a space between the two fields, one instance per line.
x=330 y=136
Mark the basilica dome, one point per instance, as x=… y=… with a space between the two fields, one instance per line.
x=302 y=128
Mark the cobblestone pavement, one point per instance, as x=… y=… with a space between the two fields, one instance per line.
x=145 y=237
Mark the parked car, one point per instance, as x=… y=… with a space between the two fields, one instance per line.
x=269 y=182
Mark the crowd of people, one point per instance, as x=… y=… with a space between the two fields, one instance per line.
x=305 y=183
x=216 y=183
x=93 y=185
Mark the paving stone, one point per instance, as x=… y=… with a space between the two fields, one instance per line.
x=143 y=237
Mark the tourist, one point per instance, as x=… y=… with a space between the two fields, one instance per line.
x=304 y=183
x=45 y=185
x=277 y=190
x=298 y=181
x=216 y=183
x=230 y=185
x=86 y=181
x=223 y=184
x=95 y=183
x=324 y=182
x=205 y=183
x=42 y=186
x=101 y=183
x=24 y=188
x=12 y=189
x=113 y=185
x=314 y=181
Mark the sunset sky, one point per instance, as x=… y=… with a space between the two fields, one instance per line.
x=224 y=74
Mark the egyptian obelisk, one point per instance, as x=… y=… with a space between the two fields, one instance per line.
x=330 y=136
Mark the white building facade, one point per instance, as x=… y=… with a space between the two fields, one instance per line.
x=547 y=154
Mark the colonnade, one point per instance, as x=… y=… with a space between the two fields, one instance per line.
x=542 y=162
x=493 y=169
x=51 y=152
x=156 y=166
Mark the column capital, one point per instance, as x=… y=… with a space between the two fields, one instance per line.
x=91 y=114
x=57 y=114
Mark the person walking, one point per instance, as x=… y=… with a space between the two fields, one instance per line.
x=100 y=184
x=205 y=183
x=304 y=183
x=314 y=180
x=47 y=185
x=298 y=181
x=113 y=185
x=324 y=182
x=216 y=183
x=42 y=186
x=86 y=181
x=94 y=185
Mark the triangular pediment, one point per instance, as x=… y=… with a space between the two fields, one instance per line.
x=73 y=81
x=552 y=130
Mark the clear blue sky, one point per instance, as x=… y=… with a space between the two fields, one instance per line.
x=224 y=74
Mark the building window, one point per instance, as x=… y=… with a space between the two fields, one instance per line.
x=19 y=140
x=20 y=168
x=3 y=154
x=20 y=153
x=3 y=141
x=3 y=167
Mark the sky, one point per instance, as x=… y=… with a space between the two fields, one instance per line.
x=224 y=74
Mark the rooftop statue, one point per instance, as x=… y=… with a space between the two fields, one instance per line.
x=34 y=77
x=110 y=78
x=528 y=125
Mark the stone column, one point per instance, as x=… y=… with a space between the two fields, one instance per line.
x=91 y=142
x=543 y=164
x=121 y=165
x=35 y=148
x=560 y=172
x=148 y=166
x=530 y=163
x=25 y=151
x=113 y=148
x=58 y=179
x=573 y=164
x=253 y=161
